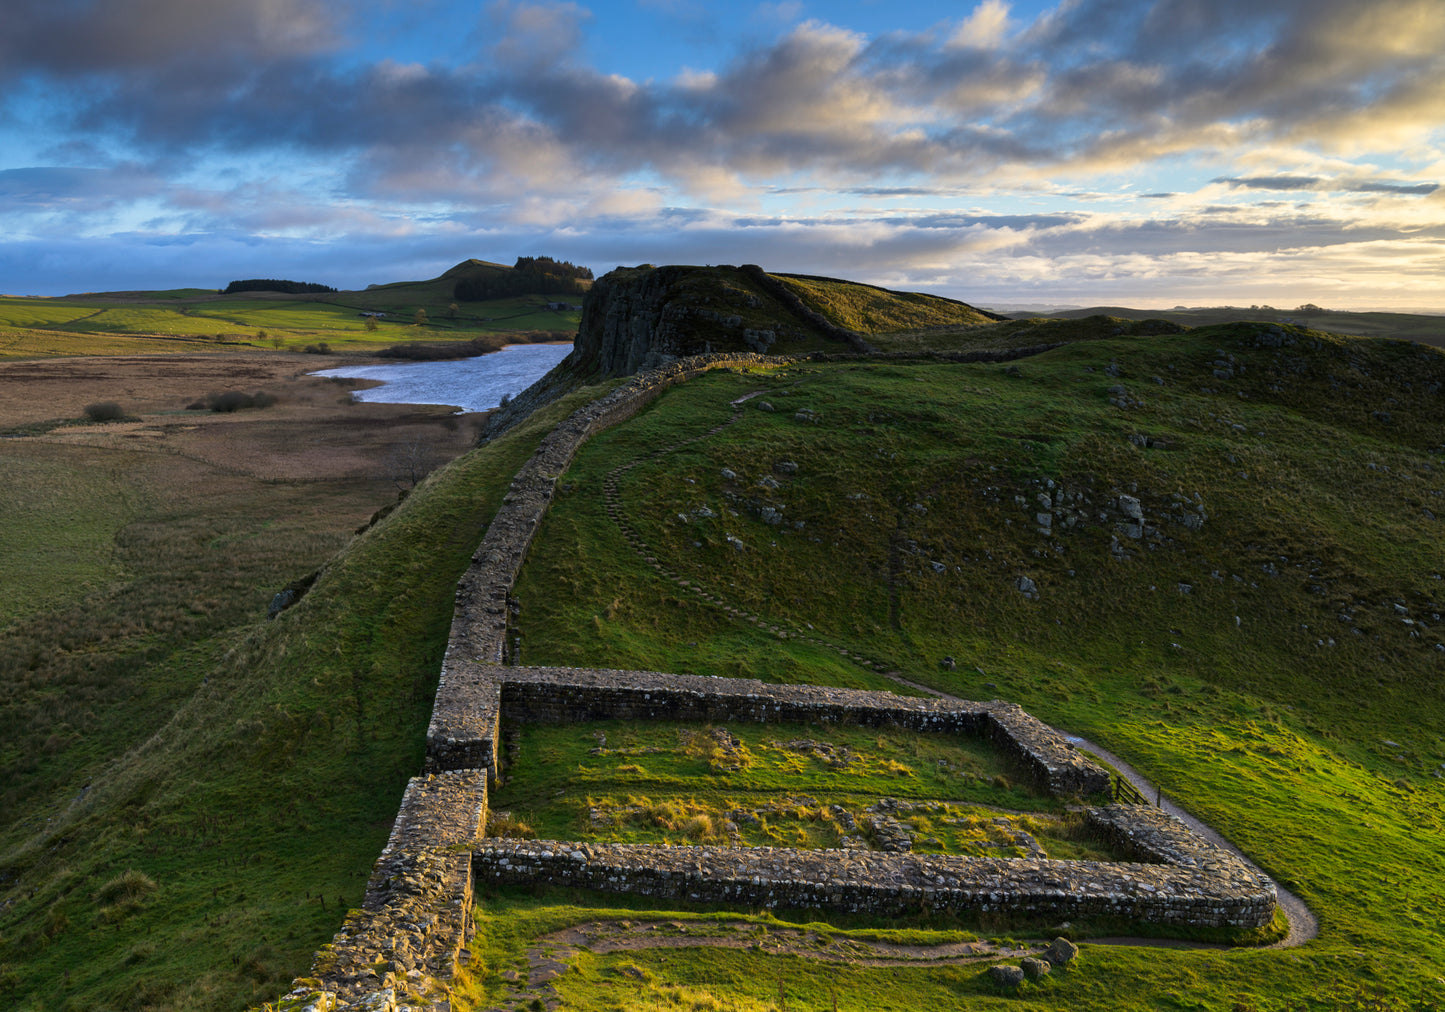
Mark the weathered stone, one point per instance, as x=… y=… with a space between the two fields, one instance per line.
x=1061 y=951
x=1006 y=976
x=1034 y=968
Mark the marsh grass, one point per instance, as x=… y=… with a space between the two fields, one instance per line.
x=163 y=728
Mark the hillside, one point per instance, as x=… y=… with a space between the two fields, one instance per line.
x=191 y=320
x=1401 y=326
x=1215 y=552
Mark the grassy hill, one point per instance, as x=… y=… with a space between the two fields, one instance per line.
x=1403 y=326
x=1267 y=648
x=1238 y=589
x=192 y=319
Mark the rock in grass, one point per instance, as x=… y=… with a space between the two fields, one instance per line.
x=1034 y=968
x=1006 y=976
x=1061 y=951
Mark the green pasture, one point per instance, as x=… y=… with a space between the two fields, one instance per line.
x=1213 y=657
x=194 y=319
x=629 y=782
x=56 y=533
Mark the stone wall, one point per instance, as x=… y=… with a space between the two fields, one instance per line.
x=404 y=943
x=1215 y=891
x=466 y=726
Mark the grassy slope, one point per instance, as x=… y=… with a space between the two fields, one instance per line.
x=249 y=770
x=133 y=322
x=872 y=310
x=1313 y=742
x=1402 y=326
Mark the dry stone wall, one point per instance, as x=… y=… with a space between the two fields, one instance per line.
x=480 y=696
x=1215 y=892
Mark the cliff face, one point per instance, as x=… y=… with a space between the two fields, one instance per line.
x=641 y=317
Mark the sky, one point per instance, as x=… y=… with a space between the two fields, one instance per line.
x=1149 y=153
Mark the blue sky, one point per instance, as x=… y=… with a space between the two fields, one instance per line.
x=1143 y=152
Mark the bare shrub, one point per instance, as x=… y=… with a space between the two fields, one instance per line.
x=104 y=411
x=235 y=400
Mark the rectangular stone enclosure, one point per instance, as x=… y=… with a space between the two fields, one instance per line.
x=1174 y=876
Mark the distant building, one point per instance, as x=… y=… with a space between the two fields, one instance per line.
x=374 y=316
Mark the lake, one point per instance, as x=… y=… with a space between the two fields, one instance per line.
x=472 y=384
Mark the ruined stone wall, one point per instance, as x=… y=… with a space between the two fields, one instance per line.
x=1216 y=892
x=405 y=941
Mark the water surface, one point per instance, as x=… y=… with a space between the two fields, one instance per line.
x=472 y=384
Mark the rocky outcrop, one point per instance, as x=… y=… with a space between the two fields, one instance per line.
x=636 y=318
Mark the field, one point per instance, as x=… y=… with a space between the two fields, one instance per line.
x=1398 y=326
x=199 y=320
x=160 y=848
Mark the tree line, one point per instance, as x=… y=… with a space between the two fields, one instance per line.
x=529 y=276
x=276 y=285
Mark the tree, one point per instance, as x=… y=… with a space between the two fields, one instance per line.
x=370 y=323
x=410 y=462
x=420 y=318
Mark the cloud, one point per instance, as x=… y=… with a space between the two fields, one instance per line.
x=1095 y=86
x=93 y=37
x=528 y=142
x=1328 y=185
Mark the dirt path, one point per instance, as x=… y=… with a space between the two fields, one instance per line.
x=1303 y=924
x=549 y=957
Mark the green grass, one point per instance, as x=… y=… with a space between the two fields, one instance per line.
x=1420 y=327
x=54 y=539
x=161 y=727
x=197 y=319
x=162 y=733
x=1212 y=656
x=664 y=783
x=871 y=310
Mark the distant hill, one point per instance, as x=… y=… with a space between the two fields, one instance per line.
x=1405 y=326
x=293 y=316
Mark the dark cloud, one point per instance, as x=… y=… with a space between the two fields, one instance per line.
x=45 y=188
x=1328 y=185
x=94 y=37
x=1272 y=182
